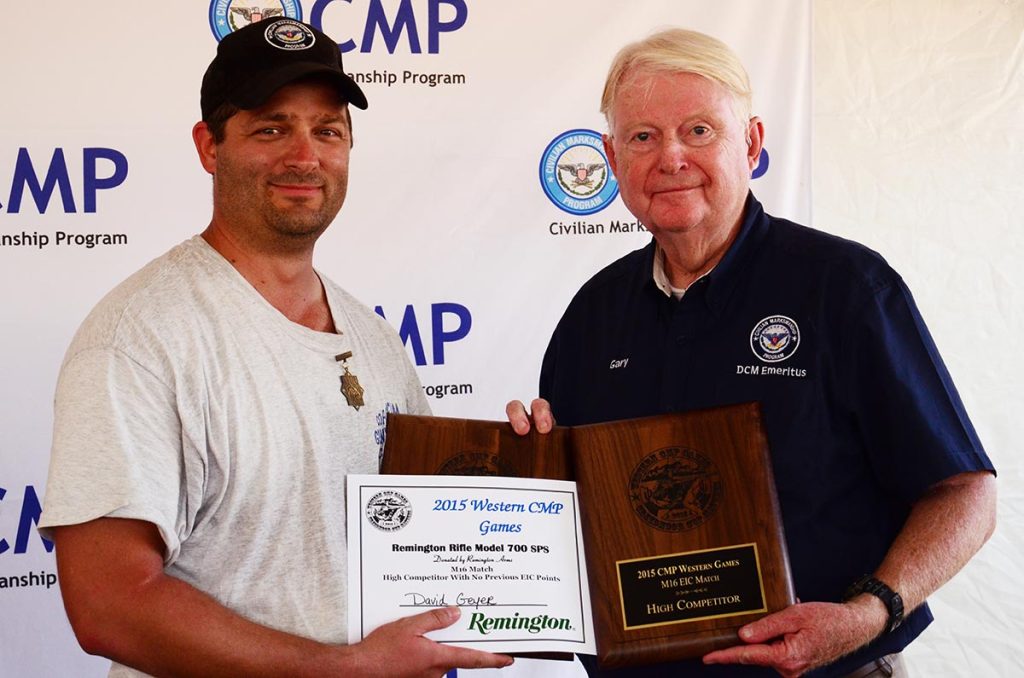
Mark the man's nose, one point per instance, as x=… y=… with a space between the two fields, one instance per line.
x=673 y=156
x=301 y=155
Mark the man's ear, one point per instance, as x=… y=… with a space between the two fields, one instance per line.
x=609 y=150
x=206 y=146
x=755 y=141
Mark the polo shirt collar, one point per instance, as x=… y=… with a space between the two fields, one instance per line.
x=722 y=278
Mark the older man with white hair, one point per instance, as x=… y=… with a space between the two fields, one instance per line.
x=885 y=489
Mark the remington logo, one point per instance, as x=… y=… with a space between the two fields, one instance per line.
x=482 y=623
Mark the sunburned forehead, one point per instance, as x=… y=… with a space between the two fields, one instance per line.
x=651 y=97
x=313 y=103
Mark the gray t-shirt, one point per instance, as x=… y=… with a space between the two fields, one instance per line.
x=188 y=401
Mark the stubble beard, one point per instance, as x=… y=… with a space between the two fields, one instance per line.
x=245 y=198
x=299 y=222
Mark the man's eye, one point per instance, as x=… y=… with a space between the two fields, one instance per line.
x=269 y=131
x=642 y=136
x=701 y=130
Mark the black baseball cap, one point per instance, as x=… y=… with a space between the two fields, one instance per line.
x=257 y=60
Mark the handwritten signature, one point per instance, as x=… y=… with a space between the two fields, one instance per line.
x=439 y=600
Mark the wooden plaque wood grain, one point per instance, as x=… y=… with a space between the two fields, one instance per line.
x=691 y=491
x=444 y=446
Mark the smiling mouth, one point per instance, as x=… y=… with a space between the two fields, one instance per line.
x=297 y=190
x=674 y=189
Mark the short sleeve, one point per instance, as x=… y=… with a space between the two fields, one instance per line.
x=914 y=426
x=116 y=447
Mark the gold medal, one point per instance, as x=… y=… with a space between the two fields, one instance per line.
x=350 y=387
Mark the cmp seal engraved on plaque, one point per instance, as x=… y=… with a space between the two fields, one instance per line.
x=475 y=464
x=388 y=510
x=675 y=489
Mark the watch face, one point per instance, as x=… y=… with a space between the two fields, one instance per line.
x=895 y=610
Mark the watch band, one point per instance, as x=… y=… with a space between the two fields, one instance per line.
x=893 y=601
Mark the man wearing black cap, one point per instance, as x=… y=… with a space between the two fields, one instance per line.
x=210 y=407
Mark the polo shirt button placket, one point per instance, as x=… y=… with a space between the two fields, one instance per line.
x=678 y=362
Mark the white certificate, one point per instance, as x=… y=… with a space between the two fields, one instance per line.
x=507 y=551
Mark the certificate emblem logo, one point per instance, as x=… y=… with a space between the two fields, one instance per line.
x=475 y=464
x=775 y=338
x=574 y=173
x=675 y=489
x=388 y=510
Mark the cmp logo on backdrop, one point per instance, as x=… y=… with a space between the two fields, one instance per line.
x=227 y=16
x=392 y=23
x=575 y=175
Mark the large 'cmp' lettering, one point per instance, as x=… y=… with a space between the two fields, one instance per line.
x=404 y=22
x=58 y=178
x=409 y=330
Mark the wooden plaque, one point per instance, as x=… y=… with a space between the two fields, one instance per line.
x=682 y=530
x=680 y=519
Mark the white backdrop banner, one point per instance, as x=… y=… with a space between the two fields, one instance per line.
x=459 y=228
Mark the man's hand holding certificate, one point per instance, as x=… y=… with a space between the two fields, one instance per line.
x=508 y=551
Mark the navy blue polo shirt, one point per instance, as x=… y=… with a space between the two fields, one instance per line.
x=860 y=412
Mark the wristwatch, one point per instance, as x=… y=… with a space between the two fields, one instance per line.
x=893 y=601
